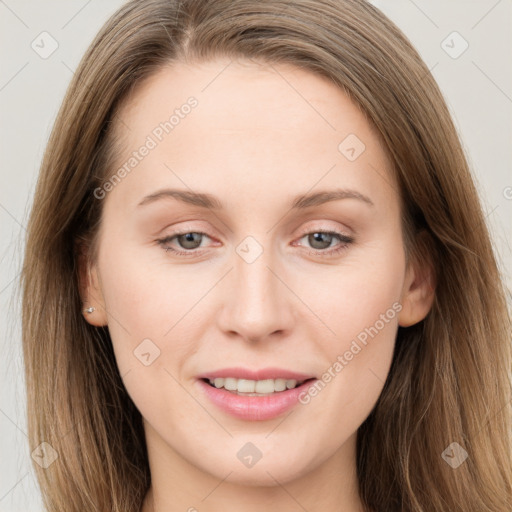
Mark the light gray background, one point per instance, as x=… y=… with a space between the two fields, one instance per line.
x=477 y=86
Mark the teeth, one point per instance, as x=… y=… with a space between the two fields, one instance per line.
x=254 y=387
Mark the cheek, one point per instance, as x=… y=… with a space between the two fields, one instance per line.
x=138 y=302
x=357 y=365
x=350 y=387
x=361 y=311
x=152 y=310
x=145 y=302
x=353 y=296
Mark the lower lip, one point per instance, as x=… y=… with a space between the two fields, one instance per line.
x=254 y=408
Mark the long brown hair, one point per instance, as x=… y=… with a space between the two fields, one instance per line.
x=450 y=376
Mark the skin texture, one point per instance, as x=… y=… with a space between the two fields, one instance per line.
x=259 y=136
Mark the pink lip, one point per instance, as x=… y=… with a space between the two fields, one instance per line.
x=254 y=408
x=265 y=373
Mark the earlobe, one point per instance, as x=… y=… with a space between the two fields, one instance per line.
x=417 y=294
x=93 y=308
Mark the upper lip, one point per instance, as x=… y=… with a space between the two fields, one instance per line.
x=262 y=374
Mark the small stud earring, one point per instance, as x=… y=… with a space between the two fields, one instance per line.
x=90 y=310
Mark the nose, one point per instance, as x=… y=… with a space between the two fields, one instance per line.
x=257 y=302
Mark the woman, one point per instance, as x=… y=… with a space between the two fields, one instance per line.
x=258 y=274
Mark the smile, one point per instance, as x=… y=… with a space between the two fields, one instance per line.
x=254 y=387
x=254 y=406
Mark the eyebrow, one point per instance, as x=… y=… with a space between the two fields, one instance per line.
x=300 y=202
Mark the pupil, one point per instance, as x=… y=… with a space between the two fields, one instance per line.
x=317 y=237
x=189 y=241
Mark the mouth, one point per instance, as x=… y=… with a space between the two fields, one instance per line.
x=254 y=400
x=254 y=394
x=248 y=387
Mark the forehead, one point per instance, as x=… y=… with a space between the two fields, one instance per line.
x=264 y=126
x=273 y=95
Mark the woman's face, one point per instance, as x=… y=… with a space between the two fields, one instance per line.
x=294 y=264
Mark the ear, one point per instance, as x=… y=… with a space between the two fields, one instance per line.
x=419 y=286
x=90 y=289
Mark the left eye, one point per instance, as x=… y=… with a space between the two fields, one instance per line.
x=324 y=239
x=319 y=240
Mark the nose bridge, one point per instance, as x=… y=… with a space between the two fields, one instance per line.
x=255 y=283
x=256 y=305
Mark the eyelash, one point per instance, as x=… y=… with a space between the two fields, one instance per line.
x=344 y=239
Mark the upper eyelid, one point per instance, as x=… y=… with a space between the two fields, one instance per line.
x=304 y=232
